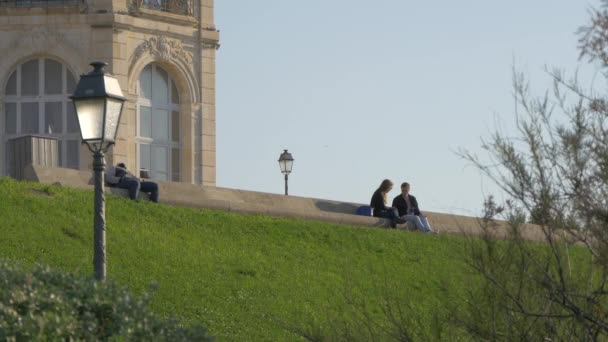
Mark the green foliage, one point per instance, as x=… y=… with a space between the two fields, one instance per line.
x=554 y=170
x=45 y=304
x=520 y=299
x=243 y=277
x=250 y=277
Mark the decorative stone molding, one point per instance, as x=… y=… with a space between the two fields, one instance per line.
x=211 y=45
x=172 y=55
x=39 y=40
x=42 y=38
x=162 y=48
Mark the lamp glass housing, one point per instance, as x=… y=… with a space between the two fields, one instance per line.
x=113 y=110
x=286 y=162
x=90 y=113
x=98 y=101
x=286 y=165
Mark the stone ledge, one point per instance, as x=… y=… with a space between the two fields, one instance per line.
x=252 y=202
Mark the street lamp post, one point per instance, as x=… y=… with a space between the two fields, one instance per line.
x=98 y=101
x=286 y=163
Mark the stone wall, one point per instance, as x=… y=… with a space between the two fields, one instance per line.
x=252 y=202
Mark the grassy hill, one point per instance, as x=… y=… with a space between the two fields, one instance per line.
x=244 y=277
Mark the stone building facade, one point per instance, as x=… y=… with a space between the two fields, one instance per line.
x=161 y=51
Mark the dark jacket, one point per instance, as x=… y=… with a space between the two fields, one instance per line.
x=377 y=203
x=401 y=204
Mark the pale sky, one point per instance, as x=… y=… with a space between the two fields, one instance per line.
x=359 y=91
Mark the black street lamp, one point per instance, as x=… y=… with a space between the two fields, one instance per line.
x=286 y=163
x=98 y=101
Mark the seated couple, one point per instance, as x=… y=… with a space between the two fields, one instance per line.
x=404 y=208
x=119 y=177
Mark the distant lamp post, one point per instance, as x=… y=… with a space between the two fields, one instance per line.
x=98 y=102
x=286 y=163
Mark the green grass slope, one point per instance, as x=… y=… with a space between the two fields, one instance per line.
x=244 y=277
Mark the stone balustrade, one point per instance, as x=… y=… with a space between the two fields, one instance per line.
x=182 y=7
x=39 y=3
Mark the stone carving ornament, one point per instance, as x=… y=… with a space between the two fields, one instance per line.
x=40 y=40
x=162 y=48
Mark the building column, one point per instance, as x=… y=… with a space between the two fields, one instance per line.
x=208 y=143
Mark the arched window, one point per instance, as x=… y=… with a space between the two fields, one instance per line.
x=158 y=133
x=36 y=102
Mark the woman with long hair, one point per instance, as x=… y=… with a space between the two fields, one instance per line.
x=379 y=200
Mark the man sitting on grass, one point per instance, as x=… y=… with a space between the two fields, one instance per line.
x=120 y=177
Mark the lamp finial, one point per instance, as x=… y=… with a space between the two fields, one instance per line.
x=98 y=67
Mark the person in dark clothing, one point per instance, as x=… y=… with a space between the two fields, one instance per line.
x=378 y=203
x=120 y=177
x=407 y=205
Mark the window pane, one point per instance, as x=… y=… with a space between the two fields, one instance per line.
x=73 y=154
x=174 y=94
x=72 y=120
x=160 y=86
x=159 y=163
x=113 y=109
x=158 y=176
x=145 y=83
x=53 y=123
x=29 y=78
x=144 y=157
x=160 y=125
x=145 y=122
x=71 y=82
x=53 y=80
x=175 y=164
x=11 y=87
x=10 y=120
x=175 y=126
x=29 y=117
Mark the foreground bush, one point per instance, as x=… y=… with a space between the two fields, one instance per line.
x=45 y=304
